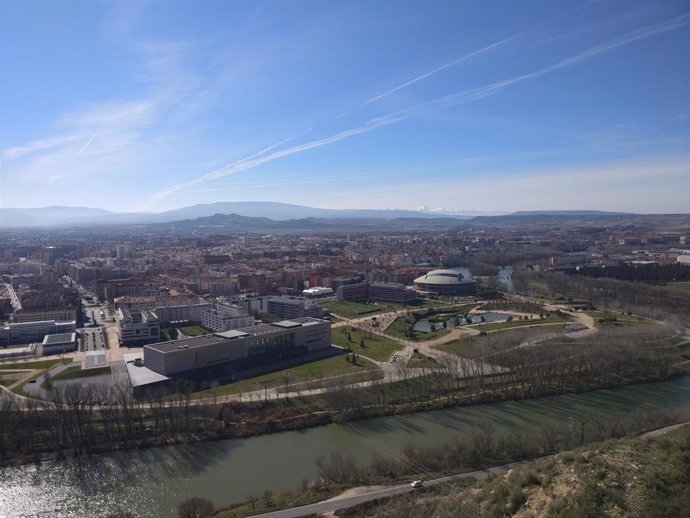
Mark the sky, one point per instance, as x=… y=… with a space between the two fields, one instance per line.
x=456 y=106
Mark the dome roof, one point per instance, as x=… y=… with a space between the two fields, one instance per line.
x=446 y=277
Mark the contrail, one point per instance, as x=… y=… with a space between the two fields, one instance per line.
x=86 y=145
x=256 y=160
x=470 y=55
x=443 y=67
x=640 y=34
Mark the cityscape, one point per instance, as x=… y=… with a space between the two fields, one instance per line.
x=344 y=259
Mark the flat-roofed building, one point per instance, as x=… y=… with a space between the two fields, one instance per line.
x=59 y=344
x=293 y=307
x=23 y=332
x=137 y=327
x=358 y=291
x=391 y=292
x=224 y=317
x=219 y=355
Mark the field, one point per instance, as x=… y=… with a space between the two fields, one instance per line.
x=375 y=347
x=464 y=347
x=608 y=318
x=349 y=309
x=499 y=326
x=419 y=360
x=195 y=330
x=41 y=364
x=302 y=374
x=77 y=372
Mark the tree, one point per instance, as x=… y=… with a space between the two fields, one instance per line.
x=362 y=344
x=195 y=507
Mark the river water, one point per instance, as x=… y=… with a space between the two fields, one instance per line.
x=151 y=482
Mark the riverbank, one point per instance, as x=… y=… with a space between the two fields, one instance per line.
x=276 y=416
x=153 y=481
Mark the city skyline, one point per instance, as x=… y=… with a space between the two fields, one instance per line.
x=487 y=107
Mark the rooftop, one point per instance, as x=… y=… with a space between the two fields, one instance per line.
x=59 y=338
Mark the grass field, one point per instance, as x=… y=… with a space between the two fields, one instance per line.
x=464 y=347
x=680 y=285
x=349 y=309
x=195 y=330
x=375 y=347
x=419 y=360
x=77 y=372
x=499 y=326
x=616 y=319
x=306 y=373
x=41 y=364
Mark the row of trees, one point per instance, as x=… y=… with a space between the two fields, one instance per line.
x=499 y=370
x=644 y=299
x=486 y=446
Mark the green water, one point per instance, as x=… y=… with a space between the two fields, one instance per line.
x=151 y=482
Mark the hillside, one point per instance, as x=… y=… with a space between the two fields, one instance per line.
x=637 y=478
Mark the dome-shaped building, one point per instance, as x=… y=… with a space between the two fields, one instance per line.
x=445 y=282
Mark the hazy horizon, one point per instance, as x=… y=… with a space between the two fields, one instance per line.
x=464 y=107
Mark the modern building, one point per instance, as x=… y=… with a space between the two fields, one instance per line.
x=222 y=356
x=391 y=292
x=60 y=343
x=224 y=317
x=377 y=292
x=445 y=282
x=24 y=332
x=359 y=291
x=182 y=313
x=137 y=327
x=293 y=307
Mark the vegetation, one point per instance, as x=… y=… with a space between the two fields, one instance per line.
x=78 y=372
x=367 y=344
x=42 y=364
x=195 y=330
x=350 y=309
x=638 y=478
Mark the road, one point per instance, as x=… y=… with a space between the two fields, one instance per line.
x=328 y=506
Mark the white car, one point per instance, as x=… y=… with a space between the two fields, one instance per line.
x=417 y=483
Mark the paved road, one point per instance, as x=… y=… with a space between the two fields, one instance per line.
x=328 y=506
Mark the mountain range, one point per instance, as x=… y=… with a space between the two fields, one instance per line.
x=277 y=212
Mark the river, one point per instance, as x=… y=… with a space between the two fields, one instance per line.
x=151 y=482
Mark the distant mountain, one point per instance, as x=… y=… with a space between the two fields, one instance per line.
x=61 y=216
x=51 y=216
x=568 y=213
x=237 y=223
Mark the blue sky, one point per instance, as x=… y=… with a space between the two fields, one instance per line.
x=455 y=105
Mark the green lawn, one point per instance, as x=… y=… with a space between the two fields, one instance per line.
x=376 y=347
x=498 y=326
x=42 y=364
x=464 y=347
x=77 y=372
x=680 y=285
x=616 y=319
x=419 y=360
x=349 y=309
x=195 y=330
x=335 y=366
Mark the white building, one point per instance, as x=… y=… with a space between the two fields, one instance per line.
x=224 y=317
x=137 y=328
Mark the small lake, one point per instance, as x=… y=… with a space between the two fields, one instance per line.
x=151 y=482
x=424 y=326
